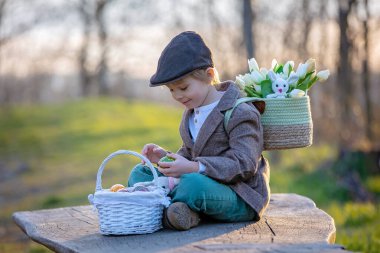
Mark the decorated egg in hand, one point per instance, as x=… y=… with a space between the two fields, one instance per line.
x=167 y=159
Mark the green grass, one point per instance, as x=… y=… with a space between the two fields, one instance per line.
x=50 y=154
x=306 y=172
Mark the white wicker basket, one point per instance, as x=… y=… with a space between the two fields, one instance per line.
x=122 y=213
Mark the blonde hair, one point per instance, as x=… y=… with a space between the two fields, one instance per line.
x=201 y=74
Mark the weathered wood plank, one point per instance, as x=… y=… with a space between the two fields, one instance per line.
x=290 y=219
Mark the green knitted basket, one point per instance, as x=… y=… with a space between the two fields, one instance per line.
x=287 y=122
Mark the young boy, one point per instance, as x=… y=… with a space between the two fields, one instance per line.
x=222 y=172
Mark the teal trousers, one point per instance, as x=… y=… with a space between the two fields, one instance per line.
x=202 y=194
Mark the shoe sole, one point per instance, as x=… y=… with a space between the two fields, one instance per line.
x=181 y=217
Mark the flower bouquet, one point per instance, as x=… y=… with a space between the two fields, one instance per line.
x=287 y=119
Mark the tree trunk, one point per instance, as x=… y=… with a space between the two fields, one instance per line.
x=102 y=69
x=344 y=74
x=248 y=19
x=366 y=75
x=352 y=166
x=2 y=8
x=4 y=98
x=85 y=75
x=307 y=21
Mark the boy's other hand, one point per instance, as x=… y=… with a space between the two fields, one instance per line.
x=178 y=167
x=153 y=152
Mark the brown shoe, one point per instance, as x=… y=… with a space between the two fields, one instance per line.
x=179 y=216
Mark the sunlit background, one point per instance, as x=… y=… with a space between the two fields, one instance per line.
x=74 y=87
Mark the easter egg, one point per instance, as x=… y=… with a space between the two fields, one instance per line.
x=116 y=187
x=167 y=159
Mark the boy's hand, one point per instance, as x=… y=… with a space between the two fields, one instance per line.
x=178 y=167
x=153 y=152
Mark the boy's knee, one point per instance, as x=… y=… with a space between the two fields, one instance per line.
x=192 y=179
x=140 y=168
x=140 y=173
x=195 y=183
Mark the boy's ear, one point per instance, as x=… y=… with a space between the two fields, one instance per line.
x=210 y=73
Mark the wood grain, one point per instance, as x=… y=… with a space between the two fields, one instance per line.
x=292 y=223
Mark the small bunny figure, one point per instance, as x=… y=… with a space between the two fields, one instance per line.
x=279 y=85
x=168 y=182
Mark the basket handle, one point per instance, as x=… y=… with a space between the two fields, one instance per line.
x=121 y=152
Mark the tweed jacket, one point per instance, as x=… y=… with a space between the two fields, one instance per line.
x=232 y=156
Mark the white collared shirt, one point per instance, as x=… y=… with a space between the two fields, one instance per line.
x=196 y=120
x=198 y=117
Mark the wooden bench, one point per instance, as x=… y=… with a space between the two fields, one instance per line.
x=292 y=223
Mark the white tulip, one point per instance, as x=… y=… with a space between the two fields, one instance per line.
x=296 y=93
x=253 y=66
x=274 y=63
x=323 y=75
x=240 y=82
x=311 y=65
x=257 y=77
x=264 y=71
x=257 y=88
x=248 y=80
x=292 y=79
x=302 y=70
x=288 y=65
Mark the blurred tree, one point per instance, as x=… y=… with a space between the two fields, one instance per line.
x=92 y=15
x=217 y=26
x=354 y=56
x=358 y=156
x=177 y=10
x=17 y=29
x=307 y=20
x=323 y=18
x=84 y=72
x=20 y=21
x=248 y=21
x=366 y=73
x=300 y=20
x=346 y=90
x=2 y=7
x=102 y=68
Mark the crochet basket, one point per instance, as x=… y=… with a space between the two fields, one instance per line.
x=287 y=122
x=122 y=213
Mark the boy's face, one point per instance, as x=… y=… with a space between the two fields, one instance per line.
x=189 y=91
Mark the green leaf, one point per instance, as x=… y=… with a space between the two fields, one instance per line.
x=251 y=92
x=312 y=82
x=266 y=88
x=304 y=84
x=248 y=90
x=279 y=68
x=306 y=76
x=290 y=69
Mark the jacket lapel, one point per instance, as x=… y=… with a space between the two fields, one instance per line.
x=216 y=116
x=184 y=129
x=207 y=129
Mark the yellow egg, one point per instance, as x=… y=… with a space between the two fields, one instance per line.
x=116 y=187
